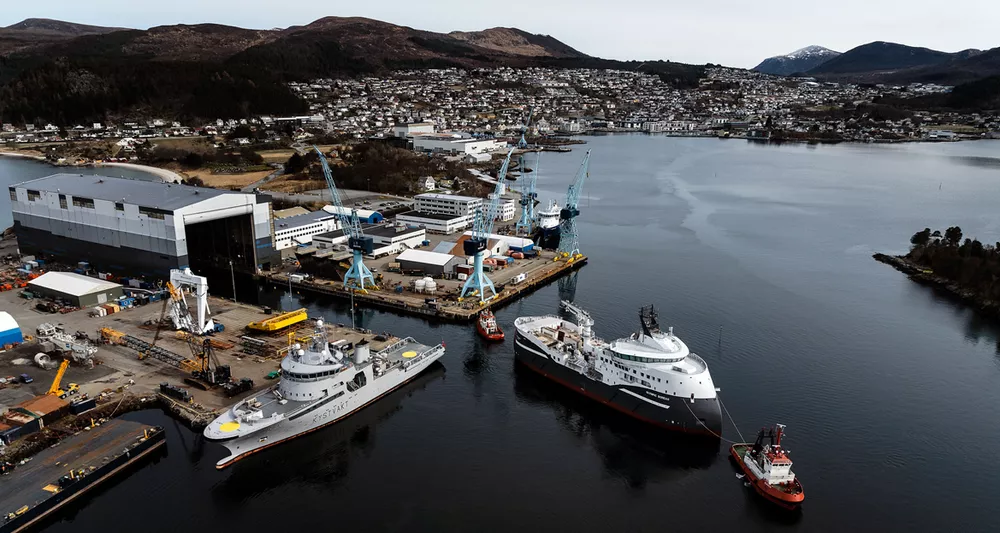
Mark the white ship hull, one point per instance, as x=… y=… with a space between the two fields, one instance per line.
x=319 y=413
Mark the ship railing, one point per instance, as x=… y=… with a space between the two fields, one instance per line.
x=697 y=361
x=397 y=345
x=439 y=349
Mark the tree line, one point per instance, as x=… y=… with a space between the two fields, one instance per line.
x=968 y=262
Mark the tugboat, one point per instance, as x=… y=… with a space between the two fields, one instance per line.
x=487 y=326
x=768 y=468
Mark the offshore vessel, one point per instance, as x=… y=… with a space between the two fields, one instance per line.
x=319 y=386
x=546 y=234
x=768 y=468
x=486 y=326
x=650 y=375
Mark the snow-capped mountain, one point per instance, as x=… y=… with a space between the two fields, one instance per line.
x=800 y=60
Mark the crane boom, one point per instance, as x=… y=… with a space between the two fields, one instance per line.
x=569 y=242
x=475 y=246
x=357 y=241
x=523 y=143
x=54 y=388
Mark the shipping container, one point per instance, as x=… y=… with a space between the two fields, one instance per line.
x=462 y=276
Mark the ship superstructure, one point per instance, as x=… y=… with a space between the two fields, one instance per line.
x=319 y=385
x=546 y=234
x=650 y=375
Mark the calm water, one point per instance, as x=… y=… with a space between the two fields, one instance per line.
x=760 y=258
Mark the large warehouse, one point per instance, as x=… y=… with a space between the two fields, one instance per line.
x=141 y=227
x=79 y=290
x=430 y=263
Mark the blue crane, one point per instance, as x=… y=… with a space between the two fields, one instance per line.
x=525 y=225
x=569 y=240
x=359 y=244
x=522 y=144
x=476 y=244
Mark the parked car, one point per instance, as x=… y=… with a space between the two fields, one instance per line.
x=26 y=378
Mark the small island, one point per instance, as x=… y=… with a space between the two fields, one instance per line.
x=966 y=269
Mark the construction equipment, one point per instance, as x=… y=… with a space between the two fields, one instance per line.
x=359 y=244
x=180 y=314
x=476 y=245
x=526 y=223
x=279 y=322
x=146 y=349
x=55 y=388
x=569 y=239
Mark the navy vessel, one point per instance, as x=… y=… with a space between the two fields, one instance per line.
x=319 y=386
x=650 y=375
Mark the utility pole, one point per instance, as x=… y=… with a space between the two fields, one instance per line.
x=353 y=326
x=232 y=274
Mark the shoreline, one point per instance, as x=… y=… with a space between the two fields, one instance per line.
x=166 y=175
x=924 y=276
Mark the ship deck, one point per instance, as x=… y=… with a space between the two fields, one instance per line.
x=26 y=485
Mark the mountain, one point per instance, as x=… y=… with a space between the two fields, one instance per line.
x=212 y=71
x=801 y=60
x=517 y=41
x=38 y=32
x=883 y=56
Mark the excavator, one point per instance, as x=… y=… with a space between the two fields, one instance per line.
x=55 y=389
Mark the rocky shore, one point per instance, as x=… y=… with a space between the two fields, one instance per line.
x=925 y=276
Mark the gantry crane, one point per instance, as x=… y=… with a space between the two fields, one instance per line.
x=526 y=223
x=476 y=245
x=359 y=244
x=569 y=241
x=180 y=313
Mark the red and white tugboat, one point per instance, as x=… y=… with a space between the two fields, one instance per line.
x=487 y=326
x=768 y=468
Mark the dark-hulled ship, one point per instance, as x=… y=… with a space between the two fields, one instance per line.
x=650 y=375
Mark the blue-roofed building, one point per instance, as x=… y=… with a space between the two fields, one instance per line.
x=10 y=333
x=366 y=216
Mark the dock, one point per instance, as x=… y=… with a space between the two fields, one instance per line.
x=447 y=307
x=61 y=474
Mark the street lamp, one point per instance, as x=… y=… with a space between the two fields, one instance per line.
x=233 y=275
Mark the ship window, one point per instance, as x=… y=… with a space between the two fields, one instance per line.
x=34 y=196
x=62 y=201
x=13 y=195
x=79 y=201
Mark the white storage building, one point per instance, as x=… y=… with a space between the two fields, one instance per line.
x=431 y=263
x=79 y=290
x=447 y=204
x=300 y=229
x=435 y=223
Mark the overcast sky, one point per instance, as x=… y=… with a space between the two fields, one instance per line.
x=732 y=32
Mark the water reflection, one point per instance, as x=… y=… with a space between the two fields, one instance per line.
x=322 y=458
x=630 y=450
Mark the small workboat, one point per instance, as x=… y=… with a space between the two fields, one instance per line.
x=768 y=468
x=487 y=326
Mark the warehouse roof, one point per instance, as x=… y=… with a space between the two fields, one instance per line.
x=290 y=212
x=72 y=284
x=302 y=220
x=427 y=258
x=43 y=405
x=431 y=216
x=439 y=196
x=168 y=196
x=7 y=322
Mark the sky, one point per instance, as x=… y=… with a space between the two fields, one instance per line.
x=738 y=33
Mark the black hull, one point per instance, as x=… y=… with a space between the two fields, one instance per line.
x=702 y=417
x=546 y=239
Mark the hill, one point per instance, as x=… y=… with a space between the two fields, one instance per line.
x=35 y=32
x=882 y=56
x=801 y=60
x=210 y=71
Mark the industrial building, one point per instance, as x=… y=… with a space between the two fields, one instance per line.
x=447 y=204
x=453 y=144
x=141 y=227
x=79 y=290
x=10 y=332
x=435 y=223
x=388 y=239
x=415 y=128
x=299 y=229
x=366 y=216
x=430 y=263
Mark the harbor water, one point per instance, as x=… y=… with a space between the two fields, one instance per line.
x=760 y=257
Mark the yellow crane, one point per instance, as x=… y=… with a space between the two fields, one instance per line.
x=55 y=389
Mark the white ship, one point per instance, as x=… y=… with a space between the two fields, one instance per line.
x=318 y=386
x=650 y=376
x=547 y=228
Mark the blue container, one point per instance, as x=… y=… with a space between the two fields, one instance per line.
x=40 y=261
x=399 y=289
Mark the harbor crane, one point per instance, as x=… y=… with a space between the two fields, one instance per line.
x=523 y=143
x=478 y=241
x=358 y=274
x=569 y=240
x=526 y=223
